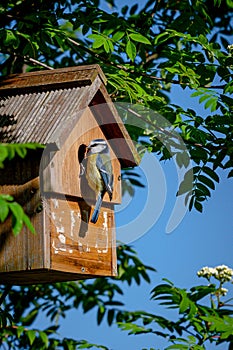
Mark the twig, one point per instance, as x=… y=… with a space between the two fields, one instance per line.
x=173 y=135
x=75 y=43
x=34 y=61
x=119 y=66
x=180 y=83
x=148 y=122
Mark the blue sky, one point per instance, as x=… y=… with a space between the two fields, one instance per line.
x=199 y=240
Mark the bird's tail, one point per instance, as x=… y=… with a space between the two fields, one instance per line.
x=96 y=211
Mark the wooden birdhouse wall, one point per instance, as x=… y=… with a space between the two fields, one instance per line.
x=26 y=251
x=66 y=246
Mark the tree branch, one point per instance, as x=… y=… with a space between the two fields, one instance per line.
x=34 y=61
x=119 y=66
x=209 y=147
x=180 y=83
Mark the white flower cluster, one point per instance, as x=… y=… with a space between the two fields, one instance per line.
x=206 y=272
x=222 y=291
x=222 y=273
x=230 y=48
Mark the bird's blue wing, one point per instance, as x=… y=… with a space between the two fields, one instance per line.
x=105 y=170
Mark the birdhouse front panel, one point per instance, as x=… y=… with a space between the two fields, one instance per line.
x=82 y=247
x=76 y=242
x=62 y=169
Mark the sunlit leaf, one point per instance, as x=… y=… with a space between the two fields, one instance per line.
x=139 y=38
x=131 y=50
x=31 y=334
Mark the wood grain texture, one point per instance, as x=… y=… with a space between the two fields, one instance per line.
x=61 y=169
x=26 y=251
x=84 y=249
x=62 y=77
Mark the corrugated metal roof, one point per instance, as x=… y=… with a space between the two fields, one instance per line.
x=44 y=106
x=34 y=117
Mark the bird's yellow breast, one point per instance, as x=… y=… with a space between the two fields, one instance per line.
x=93 y=176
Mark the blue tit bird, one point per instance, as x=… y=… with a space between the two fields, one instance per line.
x=99 y=173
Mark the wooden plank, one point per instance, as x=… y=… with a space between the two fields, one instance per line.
x=78 y=246
x=29 y=246
x=81 y=75
x=40 y=276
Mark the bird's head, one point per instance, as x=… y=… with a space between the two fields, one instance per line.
x=97 y=146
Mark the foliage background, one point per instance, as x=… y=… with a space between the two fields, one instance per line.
x=155 y=58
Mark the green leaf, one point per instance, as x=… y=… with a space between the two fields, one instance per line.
x=178 y=346
x=98 y=39
x=17 y=217
x=3 y=154
x=4 y=210
x=184 y=304
x=197 y=93
x=182 y=159
x=131 y=50
x=207 y=181
x=6 y=197
x=211 y=173
x=30 y=318
x=31 y=334
x=28 y=223
x=19 y=330
x=173 y=70
x=98 y=43
x=100 y=314
x=203 y=98
x=106 y=46
x=183 y=188
x=230 y=174
x=205 y=191
x=160 y=38
x=10 y=38
x=132 y=328
x=133 y=9
x=198 y=206
x=139 y=38
x=118 y=36
x=212 y=104
x=110 y=318
x=21 y=151
x=44 y=338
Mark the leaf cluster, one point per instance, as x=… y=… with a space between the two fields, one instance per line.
x=144 y=52
x=197 y=323
x=9 y=207
x=23 y=305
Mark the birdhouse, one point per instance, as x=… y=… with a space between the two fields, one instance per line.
x=64 y=110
